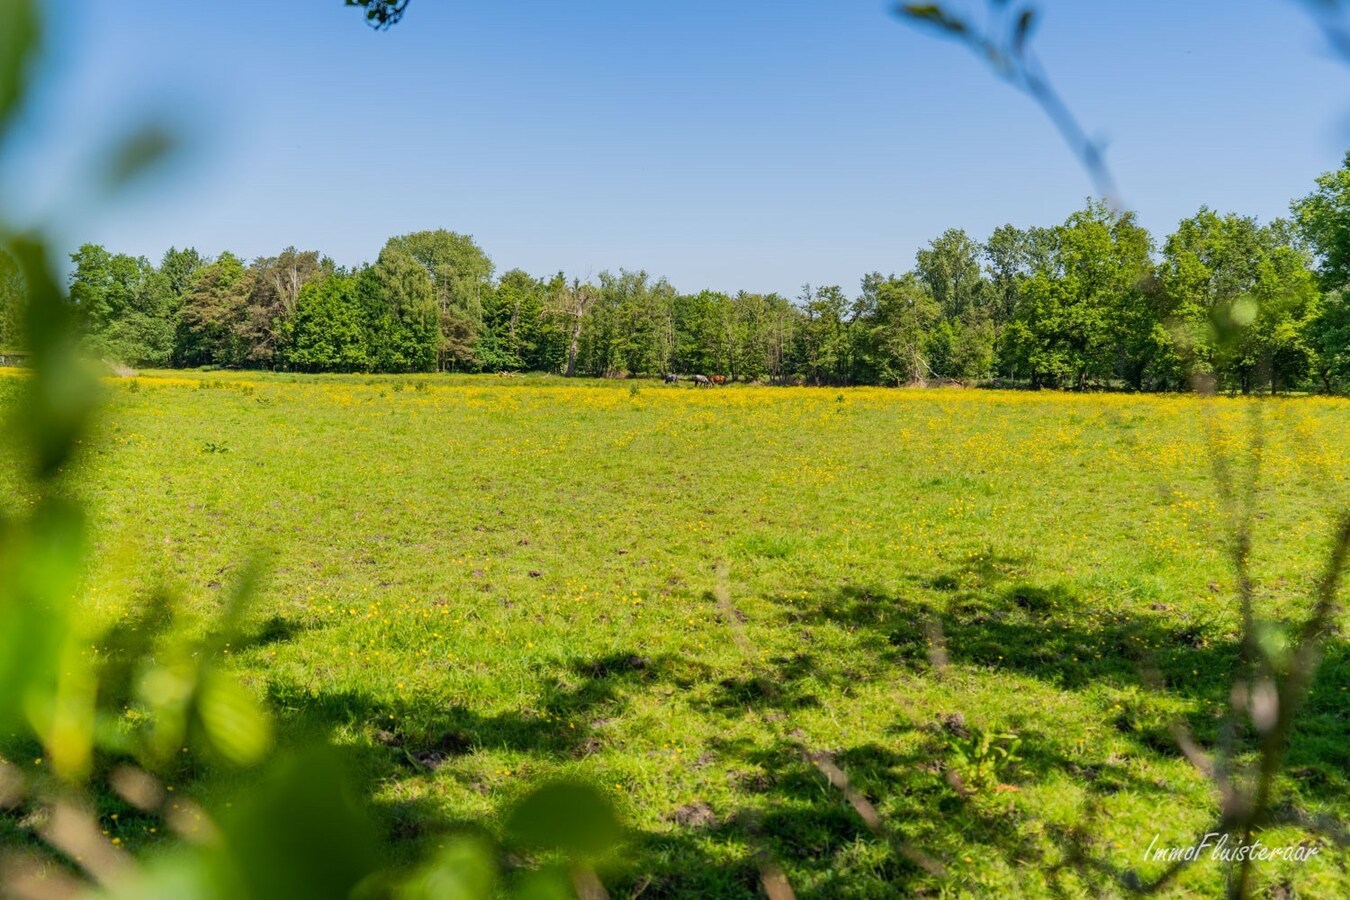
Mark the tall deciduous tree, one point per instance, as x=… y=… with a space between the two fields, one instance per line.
x=1329 y=339
x=401 y=314
x=1241 y=296
x=893 y=339
x=1323 y=218
x=1077 y=307
x=214 y=310
x=461 y=274
x=950 y=267
x=274 y=284
x=1006 y=257
x=571 y=304
x=127 y=306
x=328 y=332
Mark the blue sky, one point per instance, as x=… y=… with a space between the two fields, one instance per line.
x=722 y=143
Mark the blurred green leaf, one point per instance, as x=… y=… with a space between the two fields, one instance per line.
x=299 y=832
x=235 y=725
x=63 y=391
x=19 y=34
x=548 y=884
x=465 y=870
x=570 y=817
x=1275 y=645
x=139 y=153
x=39 y=566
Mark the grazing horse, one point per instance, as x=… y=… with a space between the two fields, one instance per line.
x=671 y=378
x=718 y=380
x=702 y=381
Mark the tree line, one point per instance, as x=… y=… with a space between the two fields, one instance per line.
x=1092 y=302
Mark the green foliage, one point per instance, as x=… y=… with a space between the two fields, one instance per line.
x=330 y=330
x=897 y=320
x=399 y=299
x=951 y=269
x=983 y=760
x=570 y=818
x=1323 y=218
x=1241 y=299
x=214 y=307
x=128 y=307
x=461 y=276
x=274 y=286
x=1329 y=336
x=381 y=14
x=19 y=43
x=1078 y=307
x=1081 y=304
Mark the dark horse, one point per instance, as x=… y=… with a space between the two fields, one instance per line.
x=671 y=378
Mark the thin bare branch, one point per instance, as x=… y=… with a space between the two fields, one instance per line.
x=1005 y=45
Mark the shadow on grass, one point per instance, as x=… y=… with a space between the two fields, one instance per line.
x=784 y=808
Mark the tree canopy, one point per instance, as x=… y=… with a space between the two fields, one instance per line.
x=1094 y=301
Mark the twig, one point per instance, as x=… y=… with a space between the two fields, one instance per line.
x=1010 y=56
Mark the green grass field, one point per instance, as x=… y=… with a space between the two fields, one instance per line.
x=477 y=584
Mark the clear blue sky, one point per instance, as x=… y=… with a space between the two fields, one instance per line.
x=729 y=144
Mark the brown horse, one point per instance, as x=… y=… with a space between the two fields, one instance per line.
x=718 y=380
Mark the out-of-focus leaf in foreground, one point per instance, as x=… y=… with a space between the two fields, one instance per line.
x=138 y=154
x=18 y=47
x=568 y=817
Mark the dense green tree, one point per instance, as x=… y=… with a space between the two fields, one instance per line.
x=758 y=325
x=950 y=266
x=128 y=308
x=328 y=332
x=823 y=338
x=961 y=343
x=461 y=274
x=1323 y=221
x=1077 y=307
x=1239 y=297
x=893 y=339
x=401 y=317
x=179 y=267
x=213 y=312
x=1006 y=259
x=630 y=327
x=704 y=332
x=274 y=285
x=1323 y=218
x=517 y=331
x=1329 y=340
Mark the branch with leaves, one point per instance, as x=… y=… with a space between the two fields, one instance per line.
x=381 y=14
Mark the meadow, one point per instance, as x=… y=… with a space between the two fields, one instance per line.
x=705 y=601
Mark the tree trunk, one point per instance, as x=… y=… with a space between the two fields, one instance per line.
x=572 y=348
